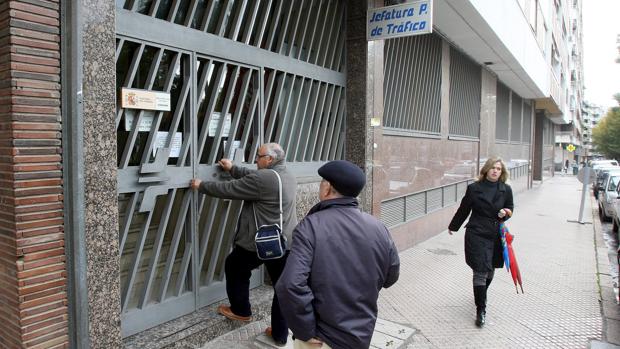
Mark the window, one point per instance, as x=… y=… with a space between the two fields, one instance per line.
x=527 y=123
x=516 y=118
x=465 y=85
x=412 y=85
x=502 y=104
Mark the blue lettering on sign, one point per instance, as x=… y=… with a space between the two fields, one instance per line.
x=423 y=8
x=386 y=15
x=404 y=27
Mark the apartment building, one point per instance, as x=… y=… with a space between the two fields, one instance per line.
x=592 y=115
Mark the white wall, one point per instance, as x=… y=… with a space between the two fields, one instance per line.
x=507 y=21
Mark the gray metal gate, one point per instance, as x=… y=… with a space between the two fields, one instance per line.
x=239 y=73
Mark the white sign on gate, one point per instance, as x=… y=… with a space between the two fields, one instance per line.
x=146 y=121
x=215 y=123
x=412 y=18
x=175 y=146
x=132 y=98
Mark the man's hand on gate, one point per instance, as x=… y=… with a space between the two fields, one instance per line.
x=226 y=164
x=195 y=183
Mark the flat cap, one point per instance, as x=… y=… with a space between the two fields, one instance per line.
x=344 y=176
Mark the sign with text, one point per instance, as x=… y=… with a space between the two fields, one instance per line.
x=175 y=145
x=146 y=121
x=214 y=123
x=412 y=18
x=143 y=99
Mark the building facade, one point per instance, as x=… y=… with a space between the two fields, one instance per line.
x=569 y=71
x=101 y=238
x=592 y=115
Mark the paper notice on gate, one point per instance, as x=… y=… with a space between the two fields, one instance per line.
x=146 y=121
x=175 y=146
x=214 y=124
x=231 y=153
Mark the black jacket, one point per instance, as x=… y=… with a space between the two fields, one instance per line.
x=483 y=245
x=339 y=261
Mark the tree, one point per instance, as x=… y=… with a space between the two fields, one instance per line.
x=606 y=134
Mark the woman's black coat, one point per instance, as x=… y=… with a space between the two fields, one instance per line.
x=483 y=245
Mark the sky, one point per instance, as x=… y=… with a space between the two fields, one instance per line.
x=601 y=25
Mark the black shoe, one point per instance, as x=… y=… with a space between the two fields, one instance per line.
x=481 y=315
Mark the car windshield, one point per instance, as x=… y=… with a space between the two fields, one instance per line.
x=613 y=183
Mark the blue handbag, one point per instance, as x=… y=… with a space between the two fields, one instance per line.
x=269 y=239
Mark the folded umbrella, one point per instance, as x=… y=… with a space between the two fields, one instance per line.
x=503 y=230
x=509 y=257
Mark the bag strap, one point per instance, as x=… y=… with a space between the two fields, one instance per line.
x=280 y=197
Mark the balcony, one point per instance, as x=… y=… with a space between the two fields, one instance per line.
x=554 y=104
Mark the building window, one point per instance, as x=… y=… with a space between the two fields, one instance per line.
x=465 y=85
x=527 y=122
x=516 y=118
x=412 y=85
x=502 y=103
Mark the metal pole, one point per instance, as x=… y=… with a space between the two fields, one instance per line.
x=584 y=192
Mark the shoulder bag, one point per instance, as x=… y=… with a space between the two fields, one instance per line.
x=269 y=239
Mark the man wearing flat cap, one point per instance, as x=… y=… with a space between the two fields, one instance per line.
x=340 y=259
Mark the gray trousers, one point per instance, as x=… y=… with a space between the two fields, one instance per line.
x=480 y=277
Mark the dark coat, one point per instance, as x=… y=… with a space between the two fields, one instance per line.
x=339 y=261
x=258 y=189
x=483 y=245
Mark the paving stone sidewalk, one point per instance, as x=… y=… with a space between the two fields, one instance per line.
x=433 y=298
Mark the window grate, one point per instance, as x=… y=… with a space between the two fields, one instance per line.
x=413 y=206
x=527 y=122
x=502 y=112
x=465 y=85
x=412 y=85
x=516 y=118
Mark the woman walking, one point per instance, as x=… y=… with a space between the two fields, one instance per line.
x=489 y=200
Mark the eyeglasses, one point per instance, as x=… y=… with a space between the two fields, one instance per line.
x=258 y=156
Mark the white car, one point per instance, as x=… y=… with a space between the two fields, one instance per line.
x=608 y=195
x=615 y=219
x=600 y=174
x=594 y=163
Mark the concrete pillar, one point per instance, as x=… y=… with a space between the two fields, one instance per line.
x=364 y=92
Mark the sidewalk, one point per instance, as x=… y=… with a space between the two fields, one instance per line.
x=558 y=261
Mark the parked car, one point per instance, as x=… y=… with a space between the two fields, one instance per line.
x=601 y=175
x=615 y=219
x=603 y=162
x=607 y=195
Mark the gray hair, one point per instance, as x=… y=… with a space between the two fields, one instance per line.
x=275 y=151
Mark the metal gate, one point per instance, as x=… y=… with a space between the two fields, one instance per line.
x=238 y=73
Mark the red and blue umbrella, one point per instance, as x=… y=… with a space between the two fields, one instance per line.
x=510 y=260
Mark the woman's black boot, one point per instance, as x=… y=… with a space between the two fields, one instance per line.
x=480 y=297
x=481 y=315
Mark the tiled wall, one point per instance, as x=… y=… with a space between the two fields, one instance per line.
x=33 y=298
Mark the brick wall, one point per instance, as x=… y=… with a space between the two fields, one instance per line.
x=33 y=298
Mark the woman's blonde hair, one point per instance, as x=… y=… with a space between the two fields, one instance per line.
x=489 y=164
